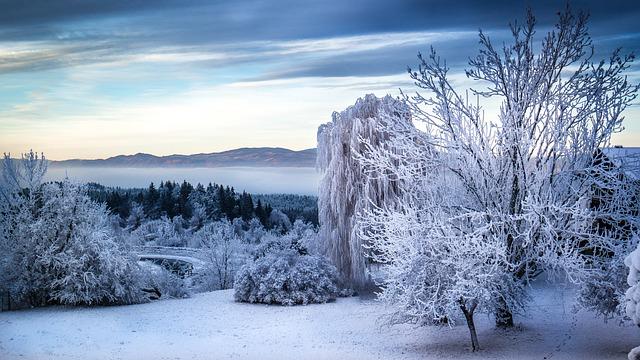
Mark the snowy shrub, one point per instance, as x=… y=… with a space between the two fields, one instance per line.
x=279 y=220
x=156 y=280
x=632 y=296
x=255 y=231
x=306 y=236
x=280 y=274
x=603 y=291
x=61 y=248
x=162 y=232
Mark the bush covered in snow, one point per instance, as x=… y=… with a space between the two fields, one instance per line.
x=162 y=283
x=632 y=296
x=162 y=232
x=282 y=272
x=603 y=289
x=58 y=246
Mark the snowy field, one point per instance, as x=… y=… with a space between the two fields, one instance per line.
x=212 y=326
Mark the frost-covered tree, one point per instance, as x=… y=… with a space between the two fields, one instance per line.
x=20 y=176
x=58 y=246
x=198 y=217
x=305 y=235
x=255 y=231
x=76 y=247
x=344 y=189
x=163 y=232
x=136 y=216
x=20 y=197
x=617 y=209
x=279 y=220
x=224 y=252
x=519 y=182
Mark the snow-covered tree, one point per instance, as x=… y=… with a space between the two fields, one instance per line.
x=279 y=220
x=56 y=245
x=19 y=196
x=163 y=232
x=615 y=201
x=344 y=188
x=224 y=253
x=136 y=216
x=59 y=246
x=305 y=235
x=76 y=247
x=19 y=175
x=519 y=182
x=254 y=232
x=198 y=217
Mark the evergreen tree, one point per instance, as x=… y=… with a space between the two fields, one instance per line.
x=150 y=202
x=183 y=207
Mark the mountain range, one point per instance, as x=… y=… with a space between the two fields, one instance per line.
x=250 y=157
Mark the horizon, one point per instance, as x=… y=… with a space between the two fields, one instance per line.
x=240 y=148
x=177 y=154
x=92 y=80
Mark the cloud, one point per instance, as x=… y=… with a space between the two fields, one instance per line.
x=284 y=37
x=269 y=113
x=114 y=76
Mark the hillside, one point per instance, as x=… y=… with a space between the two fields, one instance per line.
x=213 y=326
x=252 y=157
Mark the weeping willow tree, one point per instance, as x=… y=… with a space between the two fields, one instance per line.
x=347 y=188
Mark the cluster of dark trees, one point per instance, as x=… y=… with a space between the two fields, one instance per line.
x=303 y=207
x=213 y=202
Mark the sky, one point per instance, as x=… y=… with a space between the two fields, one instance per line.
x=93 y=79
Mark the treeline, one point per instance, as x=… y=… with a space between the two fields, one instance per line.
x=303 y=207
x=201 y=204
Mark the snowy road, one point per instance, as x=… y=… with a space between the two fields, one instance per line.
x=212 y=326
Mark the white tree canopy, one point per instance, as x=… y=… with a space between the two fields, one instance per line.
x=518 y=192
x=345 y=190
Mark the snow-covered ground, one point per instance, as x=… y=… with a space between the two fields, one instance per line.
x=212 y=326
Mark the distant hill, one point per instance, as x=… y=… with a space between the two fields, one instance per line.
x=252 y=157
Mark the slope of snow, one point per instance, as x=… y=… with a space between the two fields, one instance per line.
x=211 y=325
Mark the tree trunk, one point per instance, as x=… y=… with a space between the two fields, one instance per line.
x=504 y=317
x=468 y=314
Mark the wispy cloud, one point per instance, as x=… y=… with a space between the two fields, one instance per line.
x=96 y=78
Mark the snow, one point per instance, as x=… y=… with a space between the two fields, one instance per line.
x=211 y=325
x=346 y=189
x=632 y=295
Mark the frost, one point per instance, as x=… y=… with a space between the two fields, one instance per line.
x=345 y=190
x=283 y=273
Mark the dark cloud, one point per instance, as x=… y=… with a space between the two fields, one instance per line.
x=197 y=21
x=38 y=12
x=93 y=31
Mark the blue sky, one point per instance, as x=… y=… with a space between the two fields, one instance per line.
x=92 y=79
